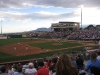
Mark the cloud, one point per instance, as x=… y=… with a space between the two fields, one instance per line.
x=16 y=16
x=48 y=3
x=89 y=16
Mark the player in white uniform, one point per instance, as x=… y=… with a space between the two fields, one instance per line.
x=15 y=47
x=26 y=47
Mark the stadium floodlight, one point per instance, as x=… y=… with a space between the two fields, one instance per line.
x=1 y=26
x=1 y=19
x=82 y=6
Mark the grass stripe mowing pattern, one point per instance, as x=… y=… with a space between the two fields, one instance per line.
x=11 y=41
x=52 y=45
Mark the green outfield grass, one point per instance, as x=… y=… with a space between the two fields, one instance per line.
x=11 y=41
x=4 y=54
x=56 y=45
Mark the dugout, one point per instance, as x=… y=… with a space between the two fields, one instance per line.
x=14 y=36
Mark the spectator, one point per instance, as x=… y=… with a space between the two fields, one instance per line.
x=15 y=68
x=30 y=70
x=25 y=67
x=20 y=65
x=19 y=72
x=46 y=64
x=35 y=65
x=49 y=63
x=99 y=45
x=52 y=68
x=65 y=67
x=73 y=61
x=79 y=62
x=3 y=70
x=41 y=69
x=92 y=62
x=10 y=71
x=98 y=53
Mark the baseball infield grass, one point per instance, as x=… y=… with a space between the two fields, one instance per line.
x=46 y=45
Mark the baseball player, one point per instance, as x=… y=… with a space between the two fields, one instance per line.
x=26 y=47
x=15 y=47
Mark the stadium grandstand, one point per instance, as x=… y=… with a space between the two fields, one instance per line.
x=65 y=26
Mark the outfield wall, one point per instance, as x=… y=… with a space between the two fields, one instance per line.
x=3 y=37
x=14 y=36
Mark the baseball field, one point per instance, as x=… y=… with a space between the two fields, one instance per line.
x=37 y=48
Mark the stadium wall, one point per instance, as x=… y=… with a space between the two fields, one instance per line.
x=14 y=36
x=3 y=37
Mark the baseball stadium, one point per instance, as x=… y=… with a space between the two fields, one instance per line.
x=67 y=38
x=38 y=47
x=49 y=37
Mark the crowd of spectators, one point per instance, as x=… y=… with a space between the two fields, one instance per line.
x=54 y=34
x=63 y=64
x=93 y=33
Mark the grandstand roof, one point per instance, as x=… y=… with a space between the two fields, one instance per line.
x=67 y=22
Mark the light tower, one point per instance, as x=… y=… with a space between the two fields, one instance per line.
x=1 y=26
x=1 y=20
x=81 y=15
x=81 y=18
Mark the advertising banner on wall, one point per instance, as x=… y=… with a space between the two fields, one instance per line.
x=3 y=37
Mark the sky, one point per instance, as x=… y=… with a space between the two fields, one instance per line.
x=26 y=15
